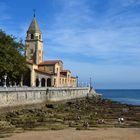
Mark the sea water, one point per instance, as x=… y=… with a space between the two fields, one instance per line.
x=123 y=96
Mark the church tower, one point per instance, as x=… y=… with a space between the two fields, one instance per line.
x=34 y=43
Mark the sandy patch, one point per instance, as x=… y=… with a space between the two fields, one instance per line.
x=71 y=134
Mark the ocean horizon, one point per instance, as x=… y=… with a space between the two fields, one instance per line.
x=127 y=96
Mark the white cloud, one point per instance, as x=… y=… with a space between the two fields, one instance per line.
x=104 y=44
x=112 y=41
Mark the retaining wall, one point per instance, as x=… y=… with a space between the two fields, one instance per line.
x=24 y=96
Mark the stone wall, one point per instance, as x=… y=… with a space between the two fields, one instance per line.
x=25 y=96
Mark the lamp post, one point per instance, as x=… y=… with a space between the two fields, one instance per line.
x=5 y=77
x=77 y=81
x=90 y=83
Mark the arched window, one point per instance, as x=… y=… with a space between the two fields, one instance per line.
x=48 y=82
x=32 y=36
x=27 y=78
x=42 y=82
x=37 y=82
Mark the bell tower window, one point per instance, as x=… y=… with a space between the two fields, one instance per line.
x=39 y=36
x=32 y=36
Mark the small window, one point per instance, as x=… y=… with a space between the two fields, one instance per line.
x=32 y=36
x=39 y=36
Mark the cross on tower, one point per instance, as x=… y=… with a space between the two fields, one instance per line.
x=34 y=12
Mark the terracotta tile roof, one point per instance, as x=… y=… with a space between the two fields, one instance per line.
x=73 y=77
x=61 y=75
x=43 y=72
x=50 y=62
x=65 y=71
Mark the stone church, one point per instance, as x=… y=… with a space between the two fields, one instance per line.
x=48 y=73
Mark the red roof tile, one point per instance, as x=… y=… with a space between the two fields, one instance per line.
x=44 y=72
x=73 y=77
x=62 y=75
x=50 y=62
x=65 y=71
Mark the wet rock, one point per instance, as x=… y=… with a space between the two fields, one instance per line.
x=50 y=106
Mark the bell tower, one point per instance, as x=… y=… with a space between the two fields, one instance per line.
x=34 y=43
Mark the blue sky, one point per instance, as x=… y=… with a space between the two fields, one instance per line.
x=94 y=38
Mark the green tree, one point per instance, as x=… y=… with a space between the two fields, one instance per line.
x=12 y=59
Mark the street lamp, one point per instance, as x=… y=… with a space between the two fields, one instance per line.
x=77 y=80
x=5 y=77
x=90 y=83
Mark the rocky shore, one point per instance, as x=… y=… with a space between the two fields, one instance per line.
x=79 y=114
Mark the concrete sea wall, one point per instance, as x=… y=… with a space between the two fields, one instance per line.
x=26 y=96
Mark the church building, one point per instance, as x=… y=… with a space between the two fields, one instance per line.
x=43 y=73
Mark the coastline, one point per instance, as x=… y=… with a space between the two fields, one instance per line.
x=100 y=114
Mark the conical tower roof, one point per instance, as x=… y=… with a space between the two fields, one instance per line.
x=34 y=28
